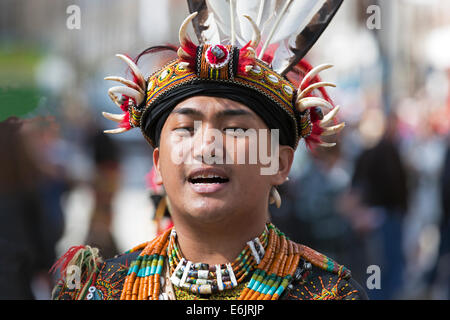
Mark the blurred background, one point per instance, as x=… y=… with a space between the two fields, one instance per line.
x=381 y=197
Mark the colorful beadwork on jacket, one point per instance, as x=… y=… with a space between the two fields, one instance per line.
x=316 y=277
x=316 y=283
x=107 y=284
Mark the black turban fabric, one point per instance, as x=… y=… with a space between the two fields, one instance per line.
x=272 y=114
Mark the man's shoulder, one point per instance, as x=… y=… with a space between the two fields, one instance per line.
x=123 y=259
x=319 y=277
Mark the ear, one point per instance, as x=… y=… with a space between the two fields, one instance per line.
x=156 y=163
x=285 y=158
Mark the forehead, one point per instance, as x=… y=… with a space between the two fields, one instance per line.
x=213 y=107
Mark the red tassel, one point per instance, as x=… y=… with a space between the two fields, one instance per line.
x=314 y=138
x=306 y=67
x=269 y=53
x=191 y=49
x=317 y=130
x=124 y=106
x=125 y=123
x=244 y=60
x=243 y=50
x=62 y=262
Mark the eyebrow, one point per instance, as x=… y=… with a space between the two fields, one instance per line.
x=188 y=111
x=233 y=113
x=220 y=114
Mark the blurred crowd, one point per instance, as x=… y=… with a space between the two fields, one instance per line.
x=381 y=197
x=388 y=207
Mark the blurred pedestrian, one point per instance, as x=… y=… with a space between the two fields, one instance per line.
x=105 y=185
x=441 y=273
x=379 y=186
x=311 y=215
x=30 y=213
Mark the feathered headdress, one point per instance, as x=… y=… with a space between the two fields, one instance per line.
x=249 y=47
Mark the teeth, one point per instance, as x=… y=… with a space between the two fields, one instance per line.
x=209 y=176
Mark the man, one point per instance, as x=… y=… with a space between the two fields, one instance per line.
x=202 y=112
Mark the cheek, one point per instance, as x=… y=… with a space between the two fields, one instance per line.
x=247 y=167
x=242 y=151
x=251 y=186
x=252 y=171
x=252 y=150
x=171 y=165
x=178 y=148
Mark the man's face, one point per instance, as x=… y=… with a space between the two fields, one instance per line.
x=199 y=161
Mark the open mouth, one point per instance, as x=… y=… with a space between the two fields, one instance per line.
x=208 y=179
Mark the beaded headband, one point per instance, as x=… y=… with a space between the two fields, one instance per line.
x=235 y=67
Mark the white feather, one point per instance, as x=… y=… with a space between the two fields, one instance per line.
x=268 y=21
x=281 y=57
x=211 y=35
x=296 y=18
x=265 y=11
x=252 y=8
x=219 y=20
x=275 y=27
x=232 y=13
x=221 y=9
x=279 y=16
x=267 y=18
x=266 y=25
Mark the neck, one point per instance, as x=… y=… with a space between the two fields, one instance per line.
x=216 y=243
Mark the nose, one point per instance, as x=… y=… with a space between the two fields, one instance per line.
x=208 y=144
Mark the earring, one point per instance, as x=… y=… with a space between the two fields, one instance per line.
x=275 y=197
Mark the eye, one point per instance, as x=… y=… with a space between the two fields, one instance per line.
x=184 y=131
x=235 y=129
x=185 y=128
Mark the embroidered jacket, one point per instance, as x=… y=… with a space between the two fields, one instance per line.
x=317 y=278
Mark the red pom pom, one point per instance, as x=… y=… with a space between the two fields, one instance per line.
x=212 y=58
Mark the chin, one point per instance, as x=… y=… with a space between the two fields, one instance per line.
x=210 y=210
